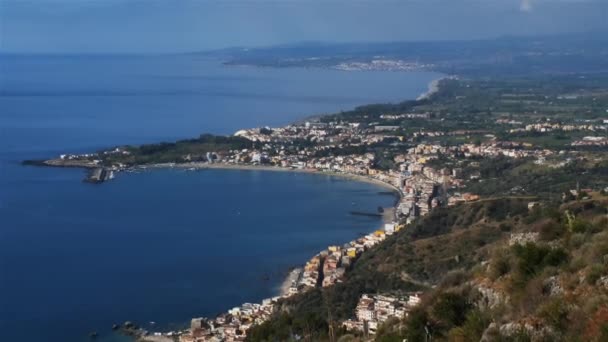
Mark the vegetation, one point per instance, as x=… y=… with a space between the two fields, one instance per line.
x=462 y=111
x=476 y=283
x=175 y=152
x=497 y=268
x=508 y=176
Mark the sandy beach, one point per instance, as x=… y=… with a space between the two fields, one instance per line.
x=290 y=279
x=433 y=88
x=224 y=166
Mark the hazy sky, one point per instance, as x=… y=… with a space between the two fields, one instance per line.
x=187 y=25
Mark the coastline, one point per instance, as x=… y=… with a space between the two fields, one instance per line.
x=293 y=274
x=289 y=280
x=249 y=167
x=433 y=88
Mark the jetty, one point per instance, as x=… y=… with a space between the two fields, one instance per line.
x=362 y=213
x=99 y=175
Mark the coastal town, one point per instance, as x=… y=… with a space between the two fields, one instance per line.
x=382 y=65
x=426 y=168
x=421 y=188
x=304 y=171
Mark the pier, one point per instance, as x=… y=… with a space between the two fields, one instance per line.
x=99 y=175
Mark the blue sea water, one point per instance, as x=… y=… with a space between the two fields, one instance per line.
x=163 y=245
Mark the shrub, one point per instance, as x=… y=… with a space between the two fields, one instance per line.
x=530 y=294
x=580 y=226
x=475 y=324
x=551 y=230
x=594 y=274
x=555 y=313
x=451 y=308
x=500 y=264
x=577 y=240
x=532 y=258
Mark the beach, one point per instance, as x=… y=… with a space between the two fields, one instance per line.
x=289 y=280
x=433 y=88
x=195 y=216
x=248 y=167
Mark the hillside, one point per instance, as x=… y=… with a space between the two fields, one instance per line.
x=493 y=269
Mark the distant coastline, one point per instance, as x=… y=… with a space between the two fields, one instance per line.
x=433 y=88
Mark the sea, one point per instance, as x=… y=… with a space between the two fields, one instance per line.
x=160 y=247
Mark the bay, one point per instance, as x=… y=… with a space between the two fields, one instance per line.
x=163 y=245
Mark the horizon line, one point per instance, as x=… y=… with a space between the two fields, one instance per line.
x=600 y=34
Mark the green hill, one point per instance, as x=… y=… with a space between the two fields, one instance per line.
x=492 y=268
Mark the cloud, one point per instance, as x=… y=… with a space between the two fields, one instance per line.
x=525 y=6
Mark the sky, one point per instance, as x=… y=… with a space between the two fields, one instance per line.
x=166 y=26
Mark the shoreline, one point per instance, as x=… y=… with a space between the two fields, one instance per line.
x=433 y=87
x=283 y=288
x=248 y=167
x=295 y=274
x=291 y=278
